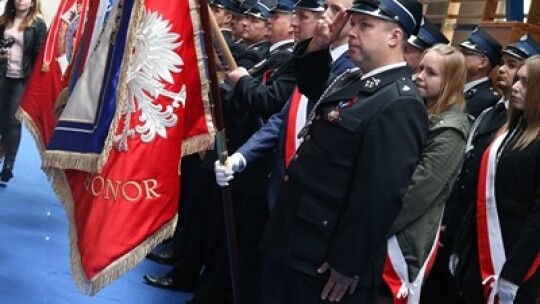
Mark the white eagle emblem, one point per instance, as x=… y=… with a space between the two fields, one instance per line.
x=154 y=61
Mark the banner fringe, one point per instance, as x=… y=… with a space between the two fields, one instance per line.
x=201 y=61
x=59 y=182
x=197 y=144
x=70 y=160
x=22 y=116
x=123 y=264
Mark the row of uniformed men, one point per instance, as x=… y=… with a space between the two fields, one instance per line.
x=262 y=86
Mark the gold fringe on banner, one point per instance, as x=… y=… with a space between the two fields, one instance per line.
x=29 y=123
x=60 y=184
x=205 y=82
x=120 y=266
x=197 y=144
x=70 y=160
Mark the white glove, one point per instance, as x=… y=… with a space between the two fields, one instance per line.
x=225 y=173
x=507 y=291
x=453 y=262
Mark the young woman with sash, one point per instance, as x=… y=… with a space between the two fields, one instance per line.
x=508 y=203
x=414 y=235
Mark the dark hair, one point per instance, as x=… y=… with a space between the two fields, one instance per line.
x=8 y=17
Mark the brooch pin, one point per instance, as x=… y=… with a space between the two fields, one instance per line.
x=333 y=115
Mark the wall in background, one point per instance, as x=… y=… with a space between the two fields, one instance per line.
x=49 y=8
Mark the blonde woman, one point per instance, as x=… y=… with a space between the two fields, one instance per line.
x=415 y=231
x=22 y=34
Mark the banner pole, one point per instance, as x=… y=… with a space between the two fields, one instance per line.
x=221 y=146
x=222 y=43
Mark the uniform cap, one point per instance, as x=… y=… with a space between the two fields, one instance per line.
x=259 y=10
x=524 y=48
x=428 y=36
x=407 y=13
x=482 y=42
x=230 y=5
x=310 y=5
x=284 y=6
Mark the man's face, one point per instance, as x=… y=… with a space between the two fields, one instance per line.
x=474 y=60
x=507 y=71
x=369 y=40
x=279 y=27
x=221 y=15
x=304 y=23
x=413 y=55
x=237 y=26
x=253 y=29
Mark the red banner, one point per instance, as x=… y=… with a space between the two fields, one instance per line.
x=119 y=214
x=51 y=72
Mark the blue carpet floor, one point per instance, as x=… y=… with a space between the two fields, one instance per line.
x=34 y=250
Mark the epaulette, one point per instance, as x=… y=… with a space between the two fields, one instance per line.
x=493 y=91
x=406 y=87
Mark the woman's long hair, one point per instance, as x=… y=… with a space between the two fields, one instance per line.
x=454 y=77
x=8 y=17
x=530 y=115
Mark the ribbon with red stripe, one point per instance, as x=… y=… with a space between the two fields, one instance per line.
x=296 y=120
x=490 y=243
x=396 y=274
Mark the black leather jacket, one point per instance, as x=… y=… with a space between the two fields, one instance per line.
x=33 y=38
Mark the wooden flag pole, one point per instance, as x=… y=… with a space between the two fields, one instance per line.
x=221 y=43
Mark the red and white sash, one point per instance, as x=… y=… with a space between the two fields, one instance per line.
x=490 y=243
x=396 y=273
x=296 y=120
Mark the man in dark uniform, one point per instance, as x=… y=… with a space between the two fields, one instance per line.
x=482 y=53
x=460 y=206
x=428 y=36
x=278 y=135
x=272 y=82
x=225 y=12
x=254 y=24
x=344 y=186
x=255 y=95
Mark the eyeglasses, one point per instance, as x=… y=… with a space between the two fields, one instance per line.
x=472 y=53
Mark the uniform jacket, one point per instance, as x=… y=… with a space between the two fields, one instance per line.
x=517 y=192
x=417 y=223
x=463 y=194
x=252 y=54
x=517 y=195
x=236 y=47
x=344 y=187
x=480 y=97
x=253 y=100
x=33 y=38
x=271 y=136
